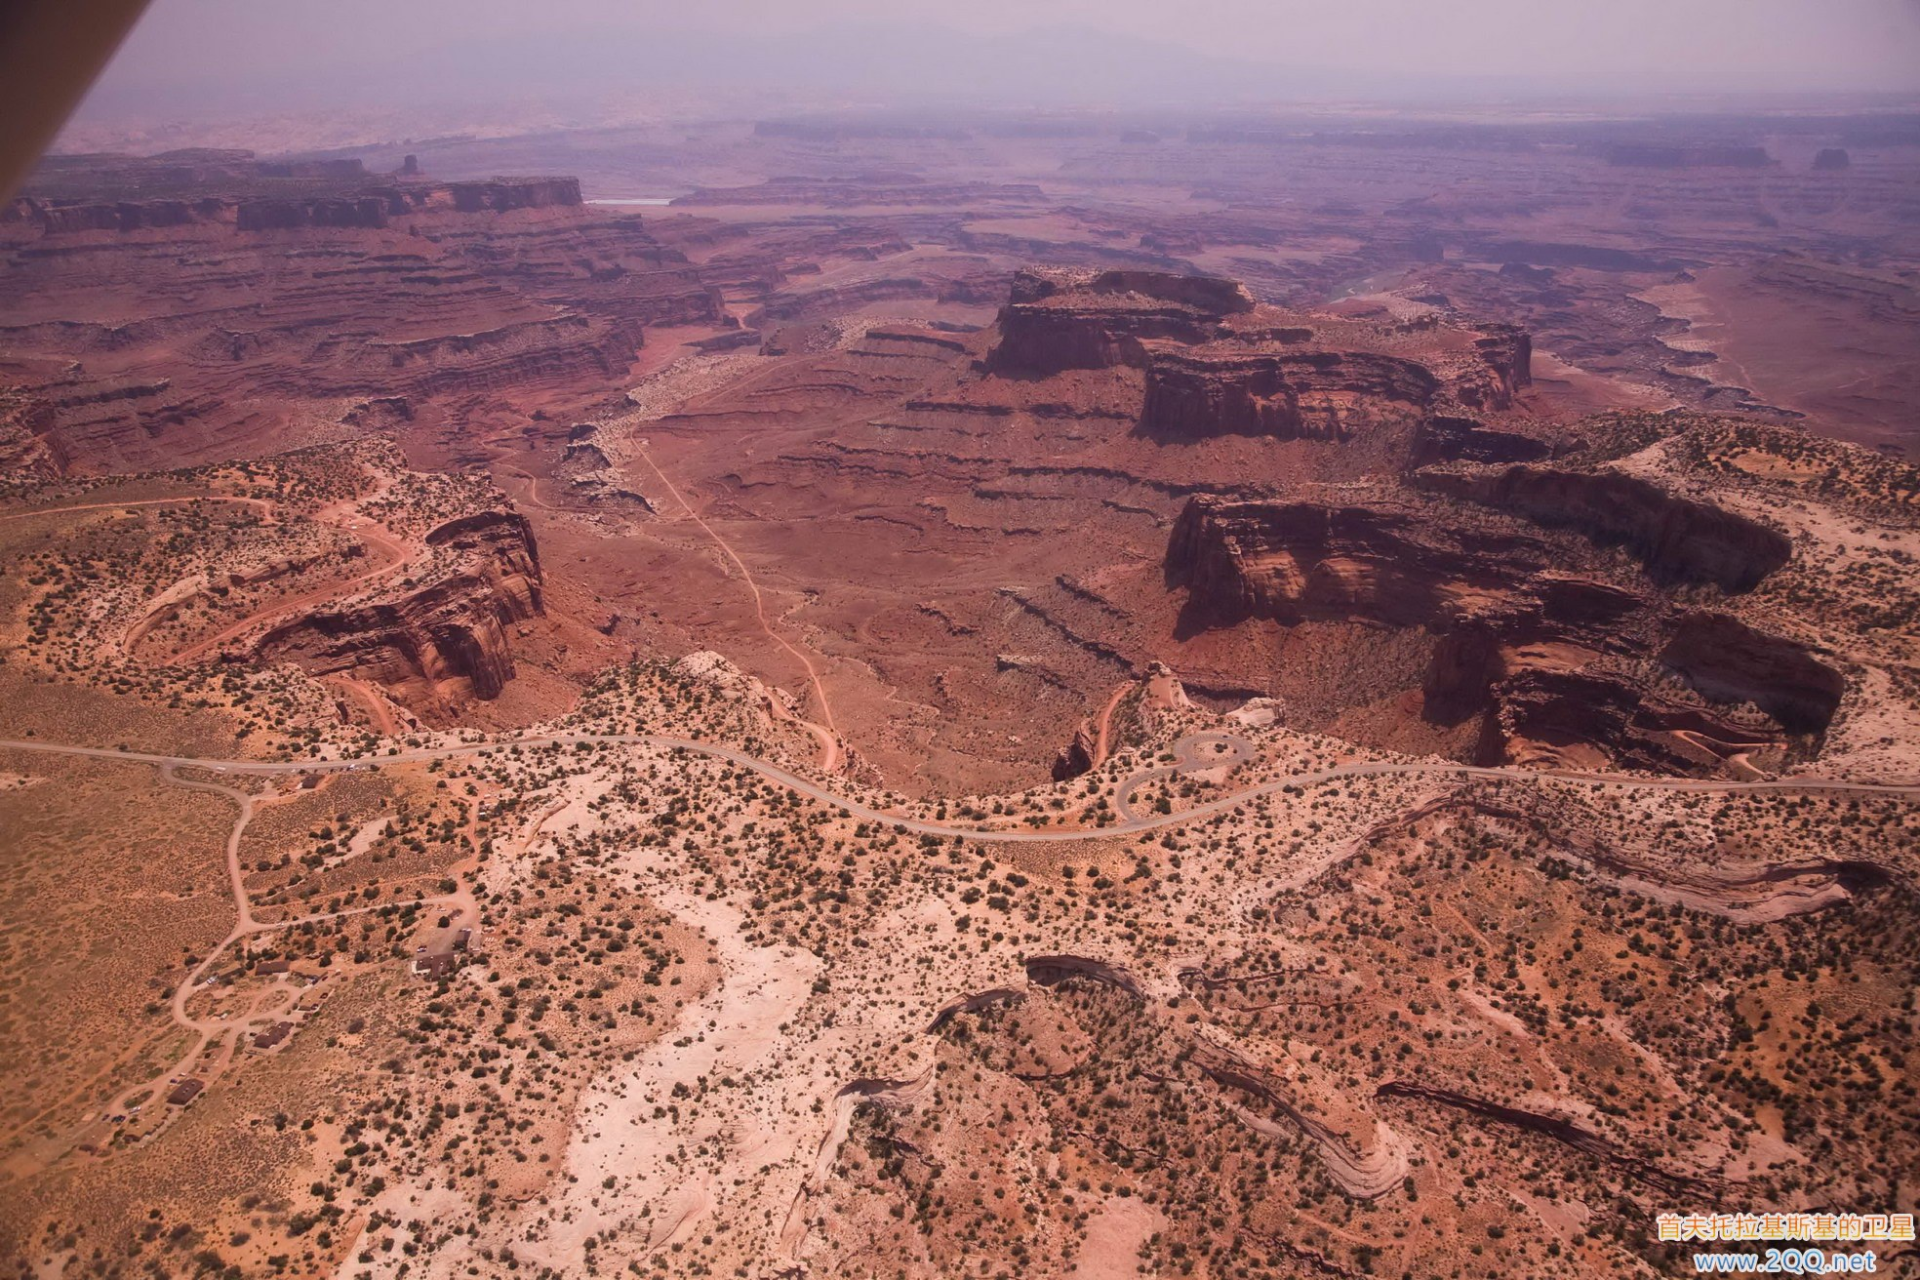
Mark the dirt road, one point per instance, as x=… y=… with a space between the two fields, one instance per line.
x=827 y=734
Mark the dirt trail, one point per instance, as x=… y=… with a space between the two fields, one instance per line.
x=264 y=506
x=377 y=707
x=268 y=613
x=228 y=1034
x=531 y=494
x=831 y=755
x=1100 y=745
x=374 y=535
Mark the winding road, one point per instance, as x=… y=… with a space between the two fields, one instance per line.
x=1188 y=757
x=828 y=735
x=1186 y=749
x=1195 y=752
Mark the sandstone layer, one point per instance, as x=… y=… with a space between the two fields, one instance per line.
x=441 y=639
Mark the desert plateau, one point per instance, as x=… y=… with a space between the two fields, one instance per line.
x=871 y=690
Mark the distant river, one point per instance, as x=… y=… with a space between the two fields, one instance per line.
x=636 y=200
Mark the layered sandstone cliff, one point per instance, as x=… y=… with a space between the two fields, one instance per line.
x=1456 y=438
x=441 y=637
x=345 y=199
x=1676 y=538
x=1507 y=352
x=316 y=211
x=1551 y=660
x=1056 y=319
x=222 y=338
x=1217 y=363
x=1732 y=662
x=1322 y=395
x=503 y=194
x=1304 y=561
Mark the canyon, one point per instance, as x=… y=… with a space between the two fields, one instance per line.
x=1087 y=696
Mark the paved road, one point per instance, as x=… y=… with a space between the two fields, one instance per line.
x=1191 y=753
x=1127 y=826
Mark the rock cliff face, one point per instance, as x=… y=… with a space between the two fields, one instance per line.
x=1076 y=757
x=1560 y=1129
x=1193 y=396
x=318 y=211
x=503 y=194
x=1678 y=540
x=1550 y=660
x=591 y=476
x=59 y=218
x=444 y=639
x=1452 y=438
x=1058 y=320
x=1507 y=352
x=1306 y=561
x=1729 y=661
x=1305 y=395
x=1219 y=364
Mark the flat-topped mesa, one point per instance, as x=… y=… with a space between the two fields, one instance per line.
x=1653 y=155
x=373 y=207
x=118 y=215
x=349 y=201
x=1678 y=539
x=1056 y=320
x=314 y=211
x=1219 y=364
x=441 y=640
x=1210 y=295
x=503 y=194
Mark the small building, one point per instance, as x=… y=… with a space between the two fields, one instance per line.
x=186 y=1091
x=267 y=968
x=272 y=1035
x=436 y=964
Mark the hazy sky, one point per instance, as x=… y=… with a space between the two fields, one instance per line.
x=190 y=50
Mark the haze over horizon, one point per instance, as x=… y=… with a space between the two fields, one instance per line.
x=208 y=58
